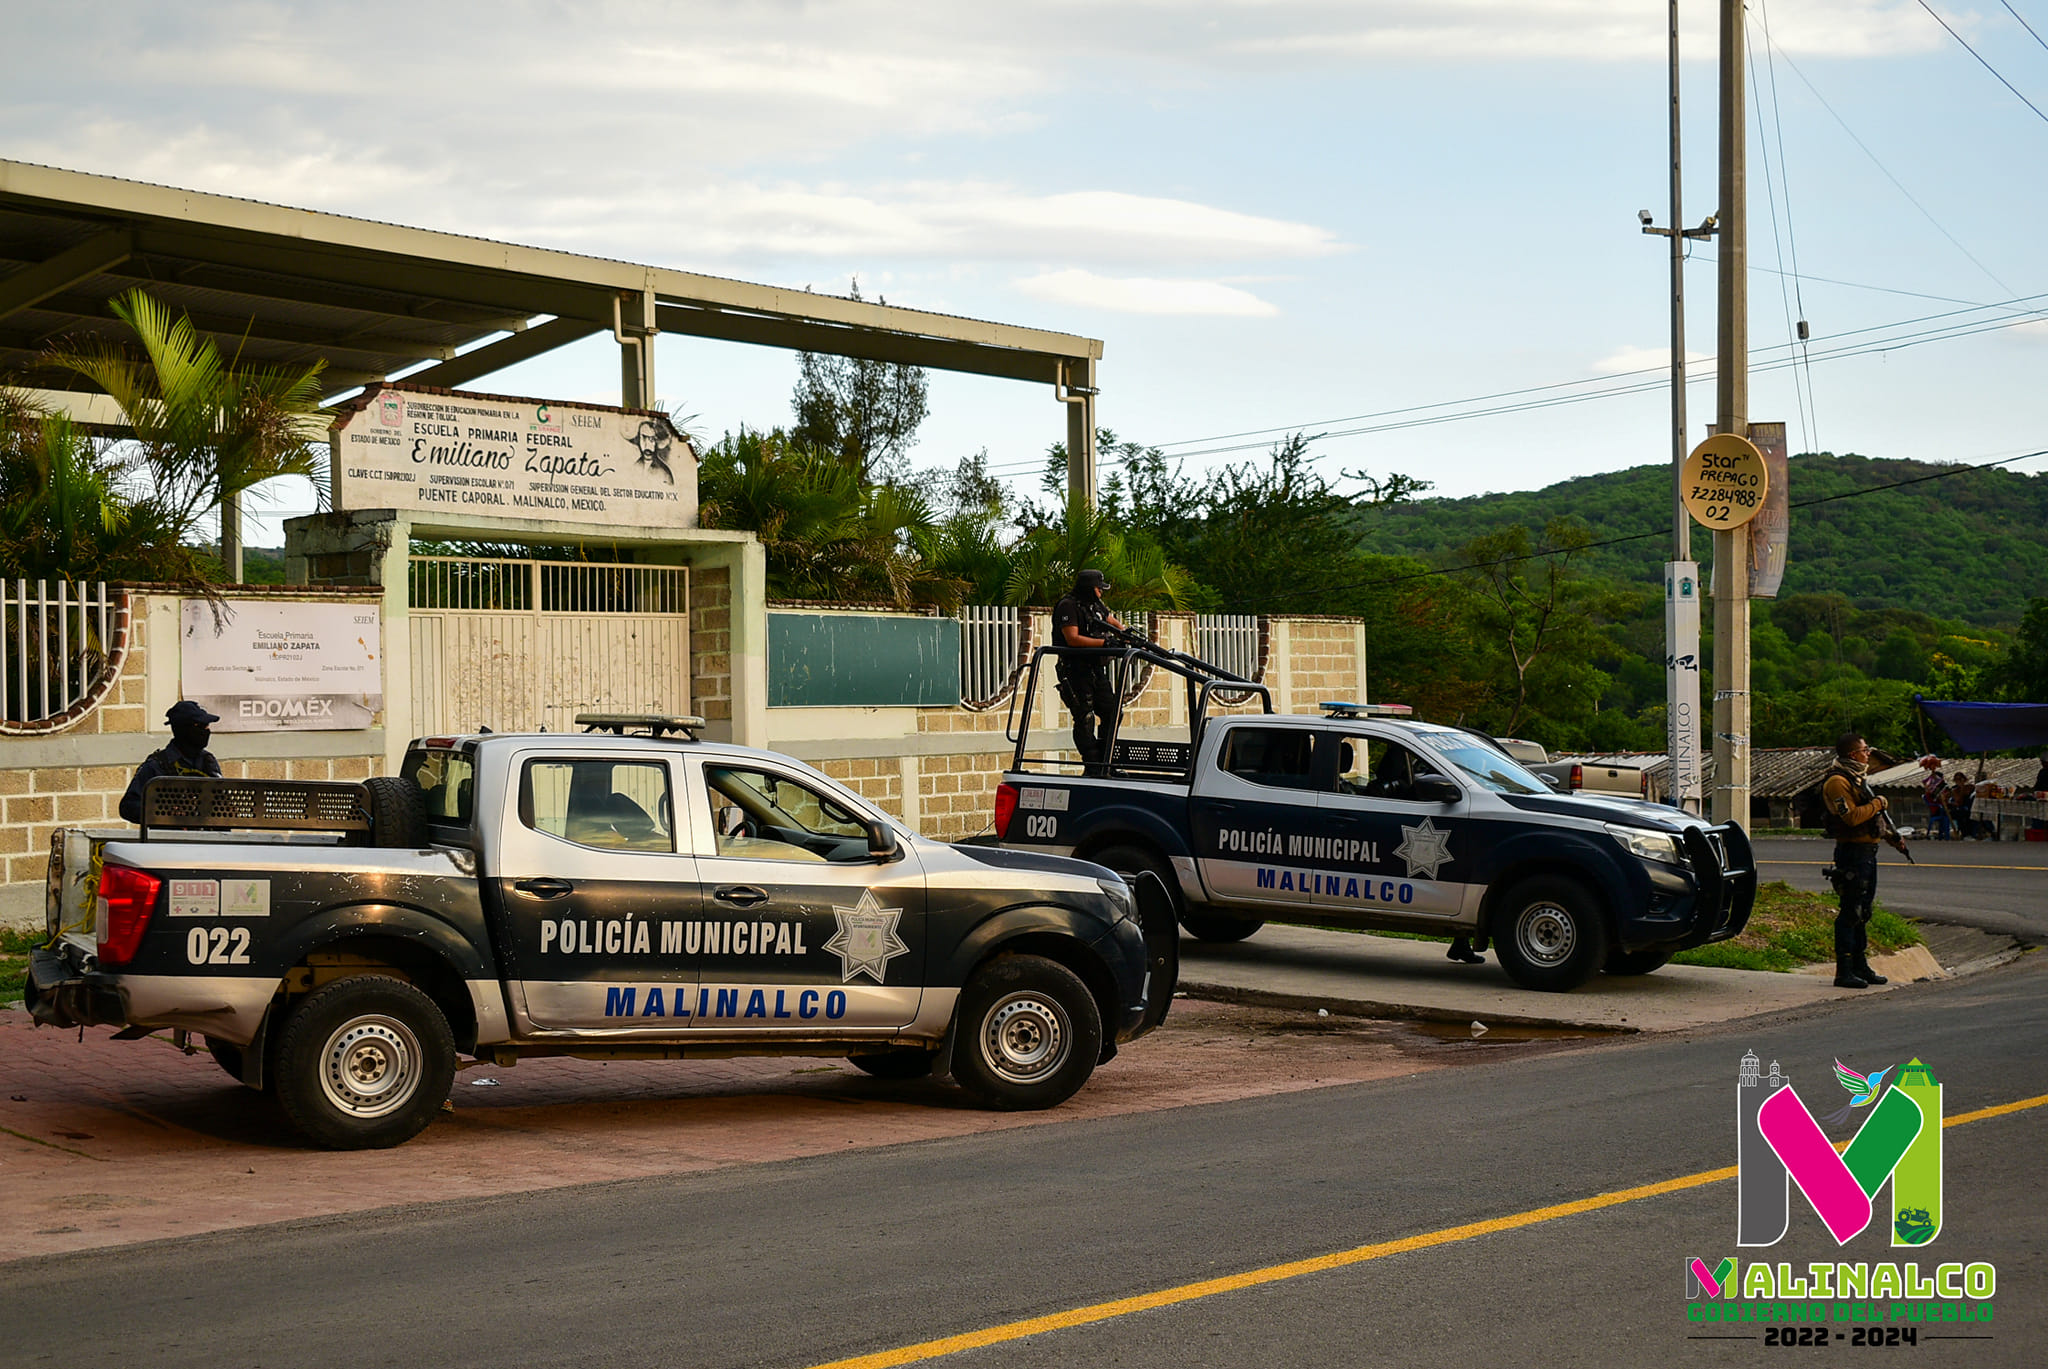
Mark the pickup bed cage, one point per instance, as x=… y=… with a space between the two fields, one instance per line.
x=202 y=803
x=1202 y=681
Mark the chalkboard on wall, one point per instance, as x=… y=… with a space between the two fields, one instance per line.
x=823 y=660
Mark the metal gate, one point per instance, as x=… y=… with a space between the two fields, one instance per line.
x=517 y=645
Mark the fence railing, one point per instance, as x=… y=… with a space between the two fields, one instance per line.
x=461 y=584
x=1230 y=640
x=995 y=641
x=55 y=640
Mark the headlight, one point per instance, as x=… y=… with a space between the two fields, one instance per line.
x=1119 y=895
x=1658 y=846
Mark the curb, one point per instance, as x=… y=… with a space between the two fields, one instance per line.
x=1408 y=1012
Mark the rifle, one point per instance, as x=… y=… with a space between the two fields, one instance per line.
x=1152 y=651
x=1886 y=828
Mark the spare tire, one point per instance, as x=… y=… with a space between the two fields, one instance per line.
x=398 y=812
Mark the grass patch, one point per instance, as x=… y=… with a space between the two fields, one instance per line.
x=1790 y=928
x=15 y=944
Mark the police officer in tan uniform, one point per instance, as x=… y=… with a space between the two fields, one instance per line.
x=1854 y=817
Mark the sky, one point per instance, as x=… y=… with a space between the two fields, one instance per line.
x=1333 y=216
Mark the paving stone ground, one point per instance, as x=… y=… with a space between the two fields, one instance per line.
x=108 y=1142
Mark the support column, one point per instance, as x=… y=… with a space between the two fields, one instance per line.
x=635 y=332
x=1078 y=395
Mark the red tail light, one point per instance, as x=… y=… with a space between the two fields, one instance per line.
x=127 y=898
x=1643 y=783
x=1006 y=807
x=1578 y=777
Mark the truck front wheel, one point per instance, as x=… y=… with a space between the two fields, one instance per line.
x=364 y=1063
x=1548 y=933
x=1030 y=1034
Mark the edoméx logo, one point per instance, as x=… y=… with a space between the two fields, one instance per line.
x=1779 y=1145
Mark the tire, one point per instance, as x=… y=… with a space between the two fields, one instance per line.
x=1030 y=1034
x=1548 y=934
x=364 y=1063
x=1636 y=962
x=227 y=1055
x=398 y=813
x=912 y=1062
x=1206 y=924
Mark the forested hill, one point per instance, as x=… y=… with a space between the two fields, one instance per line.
x=1972 y=546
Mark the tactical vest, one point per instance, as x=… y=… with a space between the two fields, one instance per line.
x=1859 y=794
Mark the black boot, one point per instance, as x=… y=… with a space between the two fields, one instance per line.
x=1860 y=961
x=1845 y=974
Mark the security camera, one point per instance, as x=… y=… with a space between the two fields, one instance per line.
x=1644 y=217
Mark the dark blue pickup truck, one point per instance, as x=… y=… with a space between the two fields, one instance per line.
x=1360 y=818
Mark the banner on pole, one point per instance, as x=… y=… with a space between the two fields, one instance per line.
x=1770 y=532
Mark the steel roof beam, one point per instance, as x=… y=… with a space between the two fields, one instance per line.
x=26 y=289
x=496 y=356
x=937 y=353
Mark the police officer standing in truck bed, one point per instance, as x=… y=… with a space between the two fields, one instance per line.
x=1084 y=681
x=191 y=731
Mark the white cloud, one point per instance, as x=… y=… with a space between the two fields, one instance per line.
x=1634 y=358
x=1145 y=295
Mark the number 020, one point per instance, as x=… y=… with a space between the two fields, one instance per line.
x=217 y=945
x=1036 y=825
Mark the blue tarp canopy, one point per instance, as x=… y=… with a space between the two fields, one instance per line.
x=1990 y=727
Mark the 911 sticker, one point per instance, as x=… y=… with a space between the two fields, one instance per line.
x=195 y=898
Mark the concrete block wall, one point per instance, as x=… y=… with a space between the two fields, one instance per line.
x=73 y=775
x=711 y=644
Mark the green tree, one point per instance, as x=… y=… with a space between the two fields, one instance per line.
x=2021 y=675
x=206 y=431
x=867 y=412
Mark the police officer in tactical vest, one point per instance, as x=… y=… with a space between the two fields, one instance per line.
x=1084 y=681
x=1856 y=819
x=191 y=730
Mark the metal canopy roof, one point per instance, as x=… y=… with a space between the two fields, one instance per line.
x=292 y=285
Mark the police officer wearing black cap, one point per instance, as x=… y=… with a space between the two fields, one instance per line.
x=191 y=730
x=1084 y=682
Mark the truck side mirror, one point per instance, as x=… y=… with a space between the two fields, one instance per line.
x=1435 y=789
x=881 y=841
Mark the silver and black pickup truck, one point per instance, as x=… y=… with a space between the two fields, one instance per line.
x=602 y=895
x=1365 y=818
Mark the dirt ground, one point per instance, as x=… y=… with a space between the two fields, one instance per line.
x=108 y=1142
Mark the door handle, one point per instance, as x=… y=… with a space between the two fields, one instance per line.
x=545 y=888
x=744 y=895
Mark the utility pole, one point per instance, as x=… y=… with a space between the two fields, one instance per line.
x=1681 y=573
x=1731 y=415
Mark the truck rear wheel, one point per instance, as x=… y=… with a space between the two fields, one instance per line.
x=1030 y=1034
x=1548 y=934
x=1206 y=924
x=364 y=1063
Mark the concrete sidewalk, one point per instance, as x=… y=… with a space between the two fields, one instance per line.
x=1393 y=977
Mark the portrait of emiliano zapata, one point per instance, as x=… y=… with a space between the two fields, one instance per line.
x=652 y=441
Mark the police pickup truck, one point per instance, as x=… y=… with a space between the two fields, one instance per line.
x=1363 y=818
x=603 y=896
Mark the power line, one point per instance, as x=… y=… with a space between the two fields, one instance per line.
x=1943 y=474
x=1811 y=409
x=1771 y=194
x=2023 y=23
x=1986 y=65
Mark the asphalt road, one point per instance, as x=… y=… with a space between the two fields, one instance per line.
x=805 y=1262
x=1999 y=886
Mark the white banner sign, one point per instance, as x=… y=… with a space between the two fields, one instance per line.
x=450 y=452
x=282 y=666
x=1683 y=787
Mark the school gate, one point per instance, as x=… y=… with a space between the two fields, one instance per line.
x=519 y=646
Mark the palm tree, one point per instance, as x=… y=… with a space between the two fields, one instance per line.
x=1139 y=574
x=206 y=430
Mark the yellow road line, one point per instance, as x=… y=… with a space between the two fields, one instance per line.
x=1294 y=1269
x=1919 y=865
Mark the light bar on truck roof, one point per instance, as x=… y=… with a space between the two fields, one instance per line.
x=653 y=724
x=1344 y=708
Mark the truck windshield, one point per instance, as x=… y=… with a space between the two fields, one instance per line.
x=1487 y=766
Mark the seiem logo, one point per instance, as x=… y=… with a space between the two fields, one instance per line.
x=1778 y=1143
